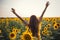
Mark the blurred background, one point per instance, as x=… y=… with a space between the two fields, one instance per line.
x=29 y=7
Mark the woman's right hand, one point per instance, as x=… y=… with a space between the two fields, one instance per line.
x=13 y=10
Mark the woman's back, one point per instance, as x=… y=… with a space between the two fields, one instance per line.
x=33 y=25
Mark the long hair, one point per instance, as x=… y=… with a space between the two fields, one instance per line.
x=33 y=25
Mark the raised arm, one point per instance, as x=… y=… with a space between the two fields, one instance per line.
x=13 y=10
x=40 y=18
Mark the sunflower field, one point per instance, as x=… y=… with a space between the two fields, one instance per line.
x=14 y=29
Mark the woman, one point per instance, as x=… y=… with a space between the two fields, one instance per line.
x=33 y=23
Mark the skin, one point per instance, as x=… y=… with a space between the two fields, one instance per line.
x=39 y=20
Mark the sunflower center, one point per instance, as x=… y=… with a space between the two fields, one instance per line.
x=12 y=35
x=27 y=37
x=55 y=26
x=58 y=24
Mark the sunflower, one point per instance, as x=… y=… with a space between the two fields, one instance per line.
x=48 y=25
x=47 y=19
x=48 y=33
x=45 y=28
x=26 y=35
x=15 y=30
x=55 y=26
x=54 y=22
x=12 y=35
x=43 y=32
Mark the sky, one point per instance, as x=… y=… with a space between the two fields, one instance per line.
x=26 y=8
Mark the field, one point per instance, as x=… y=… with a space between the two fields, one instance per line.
x=14 y=29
